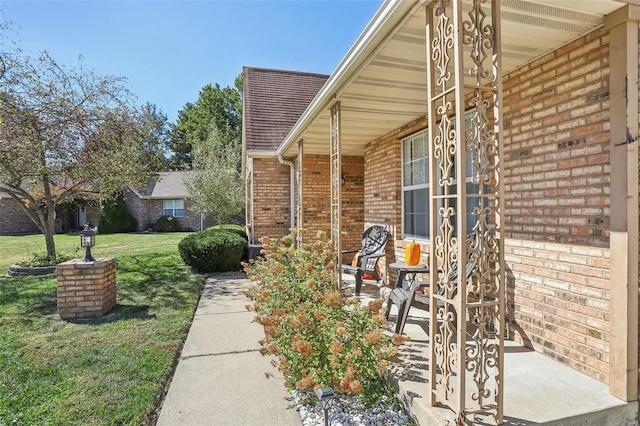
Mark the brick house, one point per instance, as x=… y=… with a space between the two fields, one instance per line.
x=550 y=133
x=164 y=195
x=14 y=221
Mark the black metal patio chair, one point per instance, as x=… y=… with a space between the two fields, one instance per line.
x=374 y=241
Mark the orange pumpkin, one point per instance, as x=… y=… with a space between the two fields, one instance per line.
x=412 y=253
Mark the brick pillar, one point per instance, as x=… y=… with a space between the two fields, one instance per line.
x=86 y=289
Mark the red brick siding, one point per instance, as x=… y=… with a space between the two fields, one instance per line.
x=352 y=202
x=558 y=302
x=316 y=195
x=557 y=191
x=13 y=220
x=316 y=215
x=271 y=192
x=556 y=138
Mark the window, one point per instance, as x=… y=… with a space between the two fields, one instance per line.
x=415 y=186
x=173 y=208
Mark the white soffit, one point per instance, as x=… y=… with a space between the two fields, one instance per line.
x=390 y=91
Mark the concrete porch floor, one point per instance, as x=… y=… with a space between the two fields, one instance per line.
x=537 y=389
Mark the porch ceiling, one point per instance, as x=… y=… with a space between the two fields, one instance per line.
x=381 y=82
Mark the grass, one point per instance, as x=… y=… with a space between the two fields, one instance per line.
x=106 y=371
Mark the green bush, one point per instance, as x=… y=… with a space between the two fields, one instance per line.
x=167 y=224
x=320 y=338
x=213 y=250
x=115 y=217
x=240 y=230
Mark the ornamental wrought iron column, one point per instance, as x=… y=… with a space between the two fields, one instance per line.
x=336 y=199
x=467 y=249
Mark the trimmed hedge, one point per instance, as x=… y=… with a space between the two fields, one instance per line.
x=213 y=250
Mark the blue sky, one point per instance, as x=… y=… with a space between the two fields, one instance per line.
x=168 y=50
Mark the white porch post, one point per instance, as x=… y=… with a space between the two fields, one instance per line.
x=299 y=182
x=623 y=80
x=464 y=94
x=336 y=199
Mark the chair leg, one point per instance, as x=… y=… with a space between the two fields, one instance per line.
x=359 y=278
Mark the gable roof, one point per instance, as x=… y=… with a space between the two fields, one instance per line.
x=165 y=185
x=273 y=100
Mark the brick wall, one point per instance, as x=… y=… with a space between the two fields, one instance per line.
x=316 y=214
x=271 y=191
x=557 y=191
x=556 y=138
x=13 y=220
x=316 y=195
x=558 y=302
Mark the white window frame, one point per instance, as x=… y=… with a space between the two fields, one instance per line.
x=173 y=207
x=420 y=185
x=471 y=221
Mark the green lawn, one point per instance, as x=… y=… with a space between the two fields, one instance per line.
x=108 y=371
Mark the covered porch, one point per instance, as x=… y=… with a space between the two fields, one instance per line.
x=552 y=119
x=538 y=390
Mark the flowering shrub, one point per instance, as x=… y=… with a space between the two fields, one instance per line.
x=320 y=338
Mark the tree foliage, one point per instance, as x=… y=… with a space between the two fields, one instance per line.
x=115 y=216
x=216 y=108
x=216 y=189
x=66 y=134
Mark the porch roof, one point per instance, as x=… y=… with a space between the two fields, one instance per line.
x=381 y=81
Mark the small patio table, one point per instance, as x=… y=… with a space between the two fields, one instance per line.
x=403 y=297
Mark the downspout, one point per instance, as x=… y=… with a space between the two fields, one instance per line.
x=292 y=180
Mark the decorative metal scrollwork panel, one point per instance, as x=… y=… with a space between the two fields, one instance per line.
x=464 y=95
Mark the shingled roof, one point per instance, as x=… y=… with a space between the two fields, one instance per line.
x=273 y=100
x=166 y=185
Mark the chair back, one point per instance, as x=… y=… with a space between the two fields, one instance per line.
x=374 y=240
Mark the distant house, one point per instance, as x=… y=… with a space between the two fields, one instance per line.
x=14 y=220
x=164 y=195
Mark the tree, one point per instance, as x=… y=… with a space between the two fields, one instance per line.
x=156 y=143
x=216 y=188
x=66 y=134
x=216 y=108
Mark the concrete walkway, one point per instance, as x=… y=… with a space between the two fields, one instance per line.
x=220 y=378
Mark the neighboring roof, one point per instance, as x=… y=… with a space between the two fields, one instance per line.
x=273 y=100
x=166 y=185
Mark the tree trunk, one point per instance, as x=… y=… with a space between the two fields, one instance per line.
x=48 y=235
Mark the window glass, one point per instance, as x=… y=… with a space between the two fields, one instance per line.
x=173 y=208
x=415 y=188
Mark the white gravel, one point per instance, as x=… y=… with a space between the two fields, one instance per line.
x=347 y=411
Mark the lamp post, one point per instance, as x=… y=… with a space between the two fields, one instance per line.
x=88 y=240
x=325 y=395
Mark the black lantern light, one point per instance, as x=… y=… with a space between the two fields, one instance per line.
x=88 y=240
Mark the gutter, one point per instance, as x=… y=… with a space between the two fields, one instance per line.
x=292 y=188
x=371 y=39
